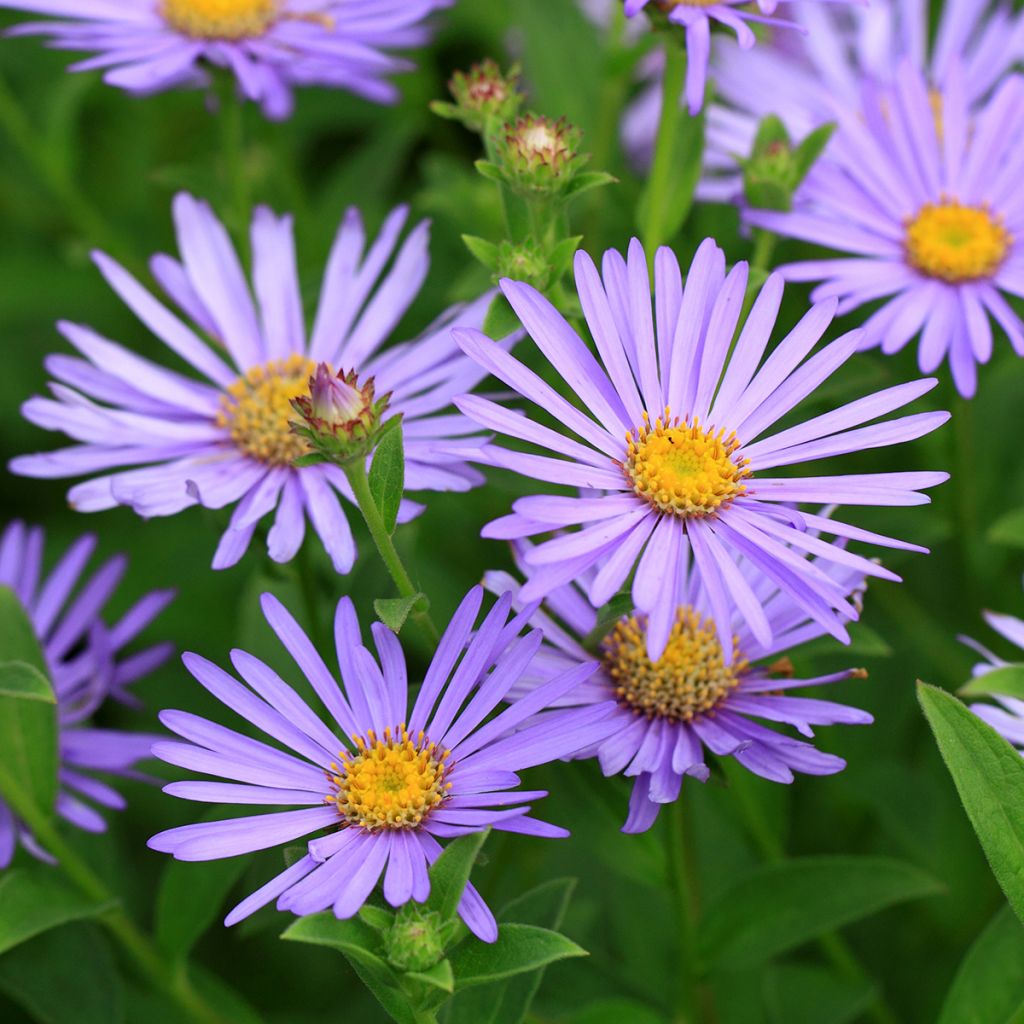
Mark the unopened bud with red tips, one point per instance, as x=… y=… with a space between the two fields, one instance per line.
x=483 y=95
x=340 y=419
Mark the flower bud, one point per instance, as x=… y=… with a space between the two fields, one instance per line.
x=538 y=154
x=416 y=939
x=482 y=94
x=776 y=167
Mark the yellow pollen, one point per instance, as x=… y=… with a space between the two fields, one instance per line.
x=390 y=783
x=956 y=243
x=683 y=468
x=690 y=679
x=256 y=410
x=220 y=19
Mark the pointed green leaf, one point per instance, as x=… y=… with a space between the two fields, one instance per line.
x=393 y=611
x=450 y=873
x=501 y=320
x=484 y=251
x=989 y=776
x=588 y=180
x=809 y=150
x=1007 y=681
x=520 y=948
x=771 y=131
x=18 y=640
x=28 y=740
x=379 y=919
x=989 y=984
x=780 y=906
x=33 y=900
x=439 y=976
x=387 y=477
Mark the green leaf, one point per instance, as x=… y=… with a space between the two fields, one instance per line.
x=588 y=180
x=1008 y=529
x=520 y=948
x=379 y=919
x=189 y=899
x=809 y=150
x=21 y=680
x=780 y=906
x=439 y=976
x=393 y=611
x=34 y=900
x=989 y=985
x=387 y=477
x=801 y=994
x=615 y=1011
x=1007 y=681
x=485 y=252
x=989 y=776
x=501 y=320
x=450 y=873
x=17 y=634
x=65 y=976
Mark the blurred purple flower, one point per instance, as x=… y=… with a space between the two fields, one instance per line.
x=386 y=782
x=670 y=440
x=269 y=46
x=925 y=198
x=228 y=442
x=692 y=697
x=86 y=665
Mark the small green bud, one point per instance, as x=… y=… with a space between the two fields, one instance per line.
x=776 y=168
x=416 y=939
x=482 y=95
x=536 y=155
x=524 y=261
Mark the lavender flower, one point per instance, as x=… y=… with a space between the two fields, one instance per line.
x=270 y=46
x=87 y=665
x=924 y=198
x=227 y=440
x=672 y=438
x=693 y=696
x=385 y=782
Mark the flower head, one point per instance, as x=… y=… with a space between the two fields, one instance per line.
x=674 y=441
x=226 y=439
x=483 y=95
x=87 y=665
x=382 y=781
x=693 y=696
x=270 y=46
x=536 y=154
x=923 y=198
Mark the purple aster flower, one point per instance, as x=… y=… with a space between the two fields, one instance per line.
x=1008 y=717
x=925 y=200
x=270 y=46
x=692 y=697
x=87 y=665
x=806 y=78
x=674 y=437
x=226 y=440
x=383 y=782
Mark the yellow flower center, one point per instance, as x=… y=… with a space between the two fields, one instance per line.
x=220 y=19
x=683 y=468
x=256 y=410
x=392 y=782
x=691 y=678
x=956 y=243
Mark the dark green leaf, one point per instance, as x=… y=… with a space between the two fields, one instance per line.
x=439 y=976
x=65 y=976
x=393 y=611
x=33 y=900
x=501 y=320
x=520 y=948
x=799 y=994
x=615 y=1011
x=450 y=873
x=1008 y=529
x=17 y=635
x=1008 y=681
x=989 y=776
x=387 y=477
x=989 y=985
x=780 y=906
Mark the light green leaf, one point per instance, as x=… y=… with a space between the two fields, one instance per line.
x=18 y=640
x=379 y=919
x=393 y=611
x=520 y=948
x=439 y=976
x=450 y=873
x=589 y=180
x=989 y=985
x=484 y=251
x=1008 y=529
x=21 y=680
x=33 y=900
x=501 y=319
x=780 y=906
x=989 y=776
x=387 y=476
x=65 y=976
x=1007 y=681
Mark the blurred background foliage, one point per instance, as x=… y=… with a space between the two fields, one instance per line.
x=103 y=172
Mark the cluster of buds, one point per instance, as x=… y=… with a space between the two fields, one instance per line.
x=484 y=97
x=340 y=420
x=776 y=168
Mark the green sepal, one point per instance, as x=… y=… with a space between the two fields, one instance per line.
x=484 y=251
x=393 y=611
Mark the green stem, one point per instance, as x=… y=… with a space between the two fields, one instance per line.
x=236 y=176
x=760 y=268
x=137 y=946
x=661 y=179
x=355 y=471
x=965 y=491
x=684 y=891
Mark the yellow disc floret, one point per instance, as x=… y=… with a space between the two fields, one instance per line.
x=220 y=19
x=691 y=678
x=956 y=243
x=391 y=782
x=683 y=468
x=256 y=410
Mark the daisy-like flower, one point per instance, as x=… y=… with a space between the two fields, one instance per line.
x=807 y=78
x=691 y=697
x=674 y=435
x=925 y=200
x=1007 y=715
x=383 y=781
x=87 y=665
x=226 y=440
x=270 y=46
